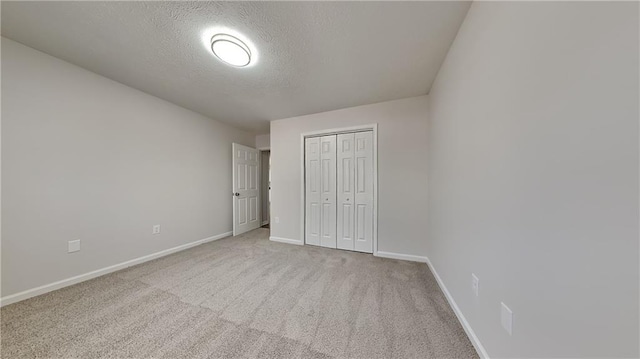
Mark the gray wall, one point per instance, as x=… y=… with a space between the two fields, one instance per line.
x=84 y=157
x=533 y=176
x=263 y=141
x=402 y=170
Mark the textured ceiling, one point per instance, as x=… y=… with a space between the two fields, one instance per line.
x=313 y=56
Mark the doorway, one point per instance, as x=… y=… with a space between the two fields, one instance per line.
x=245 y=189
x=265 y=183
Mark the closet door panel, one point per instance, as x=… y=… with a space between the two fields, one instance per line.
x=363 y=191
x=313 y=203
x=345 y=195
x=328 y=191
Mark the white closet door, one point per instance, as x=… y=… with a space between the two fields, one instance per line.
x=313 y=204
x=363 y=192
x=339 y=191
x=328 y=191
x=345 y=183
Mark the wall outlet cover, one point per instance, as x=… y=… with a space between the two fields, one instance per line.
x=73 y=246
x=506 y=318
x=156 y=229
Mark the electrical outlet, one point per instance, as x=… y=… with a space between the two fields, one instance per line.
x=277 y=219
x=156 y=229
x=506 y=318
x=73 y=246
x=475 y=284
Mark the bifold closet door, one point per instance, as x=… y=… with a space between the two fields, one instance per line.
x=320 y=191
x=312 y=191
x=345 y=196
x=355 y=191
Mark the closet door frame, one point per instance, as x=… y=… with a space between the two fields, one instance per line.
x=336 y=131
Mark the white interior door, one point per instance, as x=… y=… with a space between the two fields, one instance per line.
x=363 y=191
x=320 y=191
x=246 y=190
x=345 y=196
x=339 y=191
x=328 y=191
x=355 y=191
x=312 y=191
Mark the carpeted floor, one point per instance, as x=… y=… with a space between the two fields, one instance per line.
x=243 y=297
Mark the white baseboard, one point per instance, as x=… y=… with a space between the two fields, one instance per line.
x=265 y=222
x=96 y=273
x=404 y=257
x=286 y=240
x=463 y=321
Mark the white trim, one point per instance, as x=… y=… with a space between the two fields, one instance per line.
x=404 y=257
x=233 y=187
x=97 y=273
x=463 y=321
x=370 y=127
x=286 y=240
x=336 y=131
x=375 y=188
x=473 y=338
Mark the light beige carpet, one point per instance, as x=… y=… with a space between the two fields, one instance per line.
x=243 y=297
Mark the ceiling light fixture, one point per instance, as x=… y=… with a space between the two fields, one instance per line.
x=231 y=50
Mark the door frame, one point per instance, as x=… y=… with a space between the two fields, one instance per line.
x=336 y=131
x=265 y=195
x=263 y=149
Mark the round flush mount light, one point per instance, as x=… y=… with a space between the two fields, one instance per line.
x=231 y=50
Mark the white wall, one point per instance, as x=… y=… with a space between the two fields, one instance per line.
x=533 y=176
x=263 y=141
x=84 y=157
x=402 y=132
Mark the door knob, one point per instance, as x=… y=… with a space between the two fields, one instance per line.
x=236 y=194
